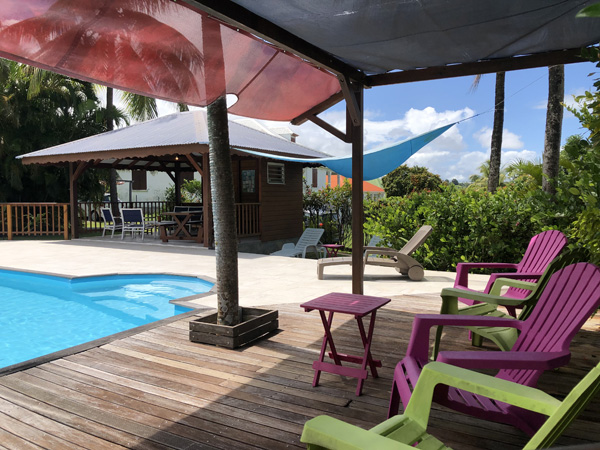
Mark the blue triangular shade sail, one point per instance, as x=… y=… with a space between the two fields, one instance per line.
x=376 y=163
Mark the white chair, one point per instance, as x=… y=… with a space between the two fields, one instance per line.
x=308 y=240
x=110 y=222
x=397 y=259
x=133 y=220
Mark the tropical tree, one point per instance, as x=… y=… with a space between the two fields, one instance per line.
x=39 y=110
x=223 y=202
x=554 y=118
x=404 y=180
x=493 y=179
x=496 y=144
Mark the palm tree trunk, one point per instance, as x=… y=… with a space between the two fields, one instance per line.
x=496 y=147
x=223 y=203
x=112 y=183
x=554 y=117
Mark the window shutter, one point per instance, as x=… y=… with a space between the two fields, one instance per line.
x=275 y=173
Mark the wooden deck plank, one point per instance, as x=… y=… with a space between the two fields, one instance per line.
x=157 y=390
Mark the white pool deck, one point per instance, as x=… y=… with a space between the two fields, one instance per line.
x=263 y=280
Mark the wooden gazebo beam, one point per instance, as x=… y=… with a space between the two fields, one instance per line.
x=477 y=68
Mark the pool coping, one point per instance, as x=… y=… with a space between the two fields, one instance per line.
x=183 y=301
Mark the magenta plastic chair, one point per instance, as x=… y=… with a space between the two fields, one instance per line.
x=542 y=249
x=571 y=296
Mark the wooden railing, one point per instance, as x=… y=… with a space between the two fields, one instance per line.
x=34 y=219
x=247 y=215
x=90 y=218
x=248 y=219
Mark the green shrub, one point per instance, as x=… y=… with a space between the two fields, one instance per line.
x=467 y=225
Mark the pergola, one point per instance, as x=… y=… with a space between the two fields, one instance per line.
x=170 y=144
x=293 y=59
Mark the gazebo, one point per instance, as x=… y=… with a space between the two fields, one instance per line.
x=268 y=192
x=291 y=60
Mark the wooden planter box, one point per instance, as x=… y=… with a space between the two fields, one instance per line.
x=255 y=323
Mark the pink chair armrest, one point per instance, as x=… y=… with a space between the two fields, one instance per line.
x=506 y=360
x=418 y=346
x=462 y=271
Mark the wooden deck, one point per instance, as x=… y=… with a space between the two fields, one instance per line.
x=156 y=390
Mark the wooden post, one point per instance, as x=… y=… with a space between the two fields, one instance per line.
x=9 y=221
x=177 y=184
x=73 y=201
x=357 y=191
x=65 y=222
x=207 y=201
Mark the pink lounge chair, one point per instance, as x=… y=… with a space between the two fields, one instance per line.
x=570 y=297
x=542 y=249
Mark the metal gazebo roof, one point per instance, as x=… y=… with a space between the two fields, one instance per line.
x=154 y=144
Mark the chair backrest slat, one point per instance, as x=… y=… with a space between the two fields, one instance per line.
x=310 y=236
x=542 y=249
x=570 y=408
x=570 y=297
x=417 y=240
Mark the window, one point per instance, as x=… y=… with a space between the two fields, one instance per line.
x=139 y=181
x=275 y=173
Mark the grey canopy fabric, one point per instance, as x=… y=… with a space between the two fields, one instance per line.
x=377 y=36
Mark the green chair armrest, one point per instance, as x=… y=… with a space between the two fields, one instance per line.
x=436 y=373
x=507 y=282
x=331 y=433
x=480 y=297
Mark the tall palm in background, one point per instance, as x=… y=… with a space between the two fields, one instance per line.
x=497 y=129
x=554 y=118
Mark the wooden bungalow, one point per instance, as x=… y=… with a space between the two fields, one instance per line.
x=268 y=192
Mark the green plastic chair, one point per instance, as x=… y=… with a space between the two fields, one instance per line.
x=504 y=338
x=409 y=430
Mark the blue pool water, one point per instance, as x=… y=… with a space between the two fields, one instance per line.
x=41 y=314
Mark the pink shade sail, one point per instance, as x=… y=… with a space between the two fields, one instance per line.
x=161 y=49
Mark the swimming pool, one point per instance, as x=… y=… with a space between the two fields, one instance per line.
x=41 y=314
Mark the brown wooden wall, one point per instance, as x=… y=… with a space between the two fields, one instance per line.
x=281 y=205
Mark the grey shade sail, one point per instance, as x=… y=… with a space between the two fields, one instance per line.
x=178 y=133
x=377 y=36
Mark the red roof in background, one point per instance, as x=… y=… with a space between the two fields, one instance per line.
x=162 y=49
x=338 y=180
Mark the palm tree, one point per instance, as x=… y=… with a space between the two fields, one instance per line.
x=498 y=127
x=554 y=117
x=223 y=202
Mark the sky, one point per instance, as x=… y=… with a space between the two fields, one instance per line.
x=396 y=113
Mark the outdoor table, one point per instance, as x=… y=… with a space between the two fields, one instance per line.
x=358 y=306
x=332 y=249
x=181 y=219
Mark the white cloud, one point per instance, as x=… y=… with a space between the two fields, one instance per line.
x=510 y=140
x=525 y=155
x=467 y=165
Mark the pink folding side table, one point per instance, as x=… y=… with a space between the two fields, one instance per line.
x=358 y=306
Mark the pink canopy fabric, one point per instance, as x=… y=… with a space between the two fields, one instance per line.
x=160 y=48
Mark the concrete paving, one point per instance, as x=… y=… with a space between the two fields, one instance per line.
x=263 y=280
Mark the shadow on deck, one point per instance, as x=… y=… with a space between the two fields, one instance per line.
x=157 y=390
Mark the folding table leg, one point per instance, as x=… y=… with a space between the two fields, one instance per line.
x=372 y=363
x=327 y=338
x=367 y=356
